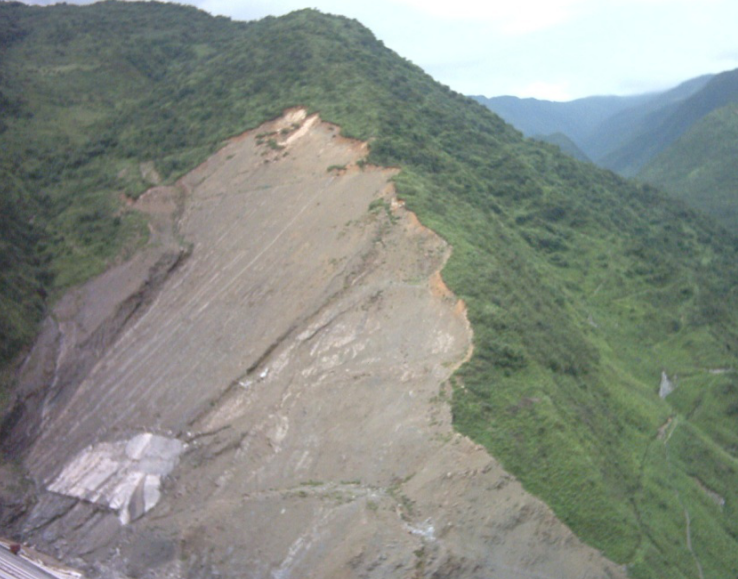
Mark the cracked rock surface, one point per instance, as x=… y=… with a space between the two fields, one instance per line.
x=298 y=353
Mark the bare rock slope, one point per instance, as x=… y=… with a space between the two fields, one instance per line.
x=263 y=391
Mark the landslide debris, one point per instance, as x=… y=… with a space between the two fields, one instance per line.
x=300 y=355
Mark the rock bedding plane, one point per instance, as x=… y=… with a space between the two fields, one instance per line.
x=288 y=334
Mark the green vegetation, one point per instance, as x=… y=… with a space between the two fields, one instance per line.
x=581 y=287
x=381 y=205
x=656 y=131
x=579 y=119
x=700 y=167
x=565 y=144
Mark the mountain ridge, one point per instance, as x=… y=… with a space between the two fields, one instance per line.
x=577 y=119
x=663 y=127
x=651 y=140
x=600 y=125
x=581 y=287
x=698 y=167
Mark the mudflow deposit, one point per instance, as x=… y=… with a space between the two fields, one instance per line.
x=263 y=391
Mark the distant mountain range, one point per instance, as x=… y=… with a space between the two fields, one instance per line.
x=700 y=166
x=577 y=119
x=655 y=137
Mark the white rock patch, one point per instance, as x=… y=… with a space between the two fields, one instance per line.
x=667 y=386
x=124 y=475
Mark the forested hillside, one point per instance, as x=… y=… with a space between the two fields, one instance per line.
x=619 y=129
x=614 y=131
x=680 y=139
x=656 y=131
x=700 y=166
x=565 y=144
x=581 y=287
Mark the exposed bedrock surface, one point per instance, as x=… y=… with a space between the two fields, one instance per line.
x=291 y=376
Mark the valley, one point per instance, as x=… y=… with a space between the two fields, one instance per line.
x=680 y=139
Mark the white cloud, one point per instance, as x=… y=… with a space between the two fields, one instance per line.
x=548 y=91
x=513 y=18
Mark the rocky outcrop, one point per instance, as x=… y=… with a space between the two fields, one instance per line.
x=124 y=476
x=666 y=386
x=300 y=359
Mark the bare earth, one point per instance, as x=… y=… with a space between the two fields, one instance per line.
x=263 y=391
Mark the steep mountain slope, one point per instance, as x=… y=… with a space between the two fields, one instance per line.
x=22 y=272
x=634 y=135
x=565 y=144
x=700 y=166
x=581 y=288
x=619 y=129
x=612 y=131
x=662 y=127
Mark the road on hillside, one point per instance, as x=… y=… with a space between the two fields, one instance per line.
x=16 y=567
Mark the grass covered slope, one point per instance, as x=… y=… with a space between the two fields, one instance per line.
x=565 y=144
x=700 y=167
x=581 y=287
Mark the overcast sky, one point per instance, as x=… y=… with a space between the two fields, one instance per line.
x=550 y=49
